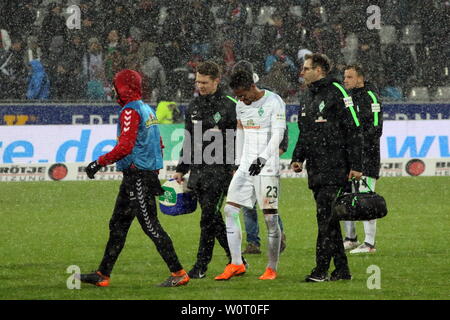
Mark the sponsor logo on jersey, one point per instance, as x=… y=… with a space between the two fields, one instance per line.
x=152 y=120
x=251 y=125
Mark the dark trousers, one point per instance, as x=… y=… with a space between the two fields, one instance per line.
x=136 y=198
x=329 y=238
x=211 y=192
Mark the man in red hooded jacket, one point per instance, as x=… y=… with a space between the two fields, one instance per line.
x=138 y=155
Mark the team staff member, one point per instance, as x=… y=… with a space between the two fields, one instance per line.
x=370 y=114
x=138 y=154
x=211 y=112
x=330 y=142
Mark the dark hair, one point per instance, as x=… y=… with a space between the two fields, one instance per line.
x=241 y=79
x=243 y=65
x=320 y=60
x=357 y=67
x=209 y=68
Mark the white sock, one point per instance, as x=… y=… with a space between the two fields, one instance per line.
x=274 y=235
x=370 y=228
x=350 y=229
x=234 y=233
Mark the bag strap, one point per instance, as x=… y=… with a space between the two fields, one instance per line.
x=352 y=110
x=375 y=114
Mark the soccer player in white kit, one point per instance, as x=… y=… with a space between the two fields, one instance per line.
x=261 y=121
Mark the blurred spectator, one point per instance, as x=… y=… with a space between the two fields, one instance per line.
x=434 y=53
x=284 y=30
x=17 y=70
x=334 y=42
x=23 y=17
x=146 y=18
x=399 y=65
x=34 y=51
x=38 y=82
x=369 y=55
x=153 y=70
x=281 y=72
x=53 y=26
x=202 y=27
x=61 y=86
x=234 y=14
x=93 y=70
x=132 y=59
x=92 y=20
x=278 y=57
x=13 y=71
x=93 y=60
x=114 y=59
x=117 y=17
x=167 y=112
x=74 y=55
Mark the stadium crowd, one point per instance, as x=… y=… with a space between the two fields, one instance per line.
x=41 y=58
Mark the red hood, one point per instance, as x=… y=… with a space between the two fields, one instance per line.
x=128 y=85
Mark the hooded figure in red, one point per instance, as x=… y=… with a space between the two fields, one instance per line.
x=128 y=88
x=140 y=183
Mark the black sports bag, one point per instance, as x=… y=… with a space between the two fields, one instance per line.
x=359 y=206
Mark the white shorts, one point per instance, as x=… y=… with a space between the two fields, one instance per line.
x=245 y=190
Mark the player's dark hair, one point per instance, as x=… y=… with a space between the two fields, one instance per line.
x=357 y=67
x=241 y=79
x=320 y=60
x=243 y=65
x=209 y=68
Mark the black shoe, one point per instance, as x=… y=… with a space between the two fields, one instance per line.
x=197 y=273
x=336 y=275
x=180 y=278
x=315 y=277
x=96 y=278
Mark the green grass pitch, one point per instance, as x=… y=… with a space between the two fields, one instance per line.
x=45 y=227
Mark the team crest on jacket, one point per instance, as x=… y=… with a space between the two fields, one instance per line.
x=321 y=106
x=217 y=117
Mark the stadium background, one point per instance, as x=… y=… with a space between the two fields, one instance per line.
x=46 y=225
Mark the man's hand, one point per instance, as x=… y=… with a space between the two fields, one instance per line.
x=297 y=167
x=256 y=166
x=92 y=169
x=355 y=174
x=178 y=176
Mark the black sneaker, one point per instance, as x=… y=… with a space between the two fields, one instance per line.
x=315 y=277
x=96 y=278
x=197 y=273
x=177 y=279
x=336 y=276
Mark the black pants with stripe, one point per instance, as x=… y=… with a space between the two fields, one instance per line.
x=210 y=188
x=136 y=198
x=329 y=238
